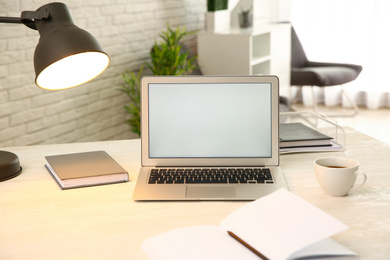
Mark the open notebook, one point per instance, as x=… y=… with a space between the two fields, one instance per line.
x=209 y=138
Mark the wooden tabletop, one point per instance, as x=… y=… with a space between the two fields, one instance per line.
x=38 y=220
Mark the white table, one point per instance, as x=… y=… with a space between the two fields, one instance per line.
x=38 y=220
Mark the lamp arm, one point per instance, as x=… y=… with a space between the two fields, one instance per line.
x=10 y=19
x=27 y=18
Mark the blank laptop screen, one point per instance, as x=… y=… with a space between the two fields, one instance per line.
x=209 y=120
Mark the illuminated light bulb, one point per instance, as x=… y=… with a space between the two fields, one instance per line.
x=73 y=70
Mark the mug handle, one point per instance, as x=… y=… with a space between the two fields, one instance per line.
x=364 y=179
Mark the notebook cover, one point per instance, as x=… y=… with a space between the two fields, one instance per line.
x=86 y=164
x=299 y=132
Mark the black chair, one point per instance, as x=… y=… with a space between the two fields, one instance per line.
x=321 y=74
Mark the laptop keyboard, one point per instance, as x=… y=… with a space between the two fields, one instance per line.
x=204 y=176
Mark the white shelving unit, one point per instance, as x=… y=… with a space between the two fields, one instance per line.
x=264 y=50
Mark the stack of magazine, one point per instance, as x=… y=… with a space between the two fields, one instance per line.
x=298 y=137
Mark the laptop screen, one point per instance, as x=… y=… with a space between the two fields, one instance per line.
x=202 y=119
x=209 y=120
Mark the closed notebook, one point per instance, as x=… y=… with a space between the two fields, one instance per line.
x=298 y=134
x=85 y=169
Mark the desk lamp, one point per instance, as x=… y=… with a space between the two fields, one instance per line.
x=65 y=57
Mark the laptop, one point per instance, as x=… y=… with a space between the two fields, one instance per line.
x=209 y=138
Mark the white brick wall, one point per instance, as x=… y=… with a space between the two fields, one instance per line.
x=95 y=111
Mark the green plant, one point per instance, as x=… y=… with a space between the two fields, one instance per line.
x=131 y=88
x=167 y=58
x=216 y=5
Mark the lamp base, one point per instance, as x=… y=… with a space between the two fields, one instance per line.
x=9 y=166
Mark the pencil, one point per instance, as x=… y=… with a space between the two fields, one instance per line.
x=247 y=246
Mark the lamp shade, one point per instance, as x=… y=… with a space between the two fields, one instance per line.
x=66 y=56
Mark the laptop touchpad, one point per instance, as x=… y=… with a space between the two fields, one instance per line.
x=211 y=191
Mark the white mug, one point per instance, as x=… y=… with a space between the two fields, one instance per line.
x=337 y=175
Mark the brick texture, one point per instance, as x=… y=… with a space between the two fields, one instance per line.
x=126 y=29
